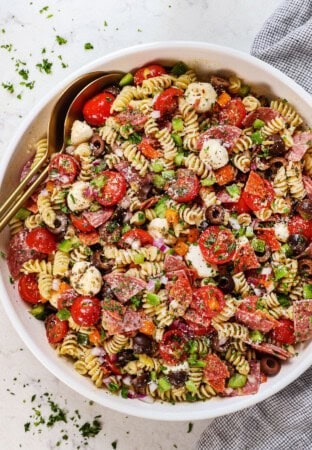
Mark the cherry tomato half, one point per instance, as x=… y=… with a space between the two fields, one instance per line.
x=258 y=192
x=109 y=188
x=240 y=207
x=86 y=311
x=41 y=240
x=217 y=245
x=167 y=101
x=198 y=330
x=233 y=113
x=186 y=186
x=298 y=225
x=63 y=169
x=284 y=333
x=96 y=110
x=172 y=347
x=110 y=366
x=56 y=329
x=28 y=288
x=151 y=71
x=136 y=234
x=148 y=150
x=209 y=300
x=81 y=223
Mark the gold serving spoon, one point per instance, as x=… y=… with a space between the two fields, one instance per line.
x=58 y=132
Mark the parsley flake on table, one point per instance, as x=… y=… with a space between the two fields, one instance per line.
x=8 y=86
x=114 y=444
x=88 y=46
x=45 y=66
x=60 y=40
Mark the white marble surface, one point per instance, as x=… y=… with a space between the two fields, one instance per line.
x=109 y=25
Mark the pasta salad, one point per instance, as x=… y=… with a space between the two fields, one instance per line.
x=169 y=250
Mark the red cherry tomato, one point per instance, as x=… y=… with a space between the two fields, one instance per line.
x=217 y=245
x=63 y=169
x=233 y=113
x=186 y=186
x=109 y=188
x=167 y=101
x=96 y=110
x=136 y=234
x=86 y=311
x=81 y=223
x=148 y=150
x=284 y=332
x=298 y=225
x=41 y=240
x=198 y=330
x=56 y=329
x=208 y=300
x=151 y=71
x=240 y=207
x=28 y=288
x=172 y=347
x=110 y=366
x=66 y=299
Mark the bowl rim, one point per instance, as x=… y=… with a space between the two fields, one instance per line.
x=131 y=407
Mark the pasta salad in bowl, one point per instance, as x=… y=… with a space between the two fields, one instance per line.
x=168 y=253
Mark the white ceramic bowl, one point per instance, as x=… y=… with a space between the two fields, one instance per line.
x=203 y=58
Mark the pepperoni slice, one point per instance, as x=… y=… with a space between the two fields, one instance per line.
x=258 y=192
x=179 y=287
x=302 y=320
x=268 y=236
x=228 y=134
x=97 y=218
x=186 y=186
x=302 y=142
x=263 y=113
x=245 y=258
x=172 y=347
x=216 y=372
x=124 y=287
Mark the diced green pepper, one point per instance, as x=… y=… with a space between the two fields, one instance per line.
x=66 y=245
x=177 y=139
x=177 y=124
x=249 y=232
x=258 y=245
x=152 y=299
x=138 y=259
x=164 y=384
x=153 y=375
x=233 y=190
x=208 y=181
x=179 y=68
x=159 y=181
x=256 y=137
x=256 y=336
x=307 y=290
x=63 y=314
x=258 y=124
x=244 y=90
x=82 y=338
x=124 y=392
x=160 y=208
x=280 y=272
x=190 y=386
x=156 y=166
x=22 y=213
x=126 y=79
x=167 y=174
x=38 y=311
x=283 y=300
x=237 y=381
x=125 y=228
x=178 y=160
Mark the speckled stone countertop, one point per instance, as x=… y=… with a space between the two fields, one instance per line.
x=28 y=36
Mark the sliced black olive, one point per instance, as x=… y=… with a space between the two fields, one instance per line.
x=203 y=225
x=60 y=224
x=119 y=215
x=142 y=344
x=264 y=101
x=277 y=146
x=297 y=243
x=99 y=261
x=226 y=284
x=219 y=346
x=305 y=267
x=139 y=383
x=177 y=379
x=124 y=356
x=215 y=214
x=270 y=365
x=97 y=145
x=304 y=208
x=263 y=257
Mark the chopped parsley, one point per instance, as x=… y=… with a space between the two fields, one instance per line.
x=8 y=86
x=90 y=430
x=45 y=66
x=60 y=40
x=88 y=46
x=114 y=444
x=190 y=427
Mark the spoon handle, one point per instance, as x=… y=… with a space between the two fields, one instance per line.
x=21 y=200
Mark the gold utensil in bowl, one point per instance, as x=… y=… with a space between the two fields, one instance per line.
x=67 y=109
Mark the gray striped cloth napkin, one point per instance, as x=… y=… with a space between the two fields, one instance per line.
x=283 y=422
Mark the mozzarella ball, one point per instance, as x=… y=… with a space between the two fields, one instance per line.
x=195 y=257
x=281 y=232
x=76 y=198
x=201 y=96
x=158 y=228
x=80 y=132
x=86 y=279
x=214 y=154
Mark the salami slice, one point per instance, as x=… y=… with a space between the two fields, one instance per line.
x=308 y=185
x=132 y=176
x=245 y=258
x=19 y=252
x=254 y=320
x=194 y=316
x=225 y=197
x=97 y=218
x=252 y=385
x=228 y=134
x=172 y=263
x=112 y=316
x=132 y=321
x=263 y=113
x=302 y=142
x=180 y=291
x=124 y=287
x=271 y=349
x=302 y=320
x=133 y=117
